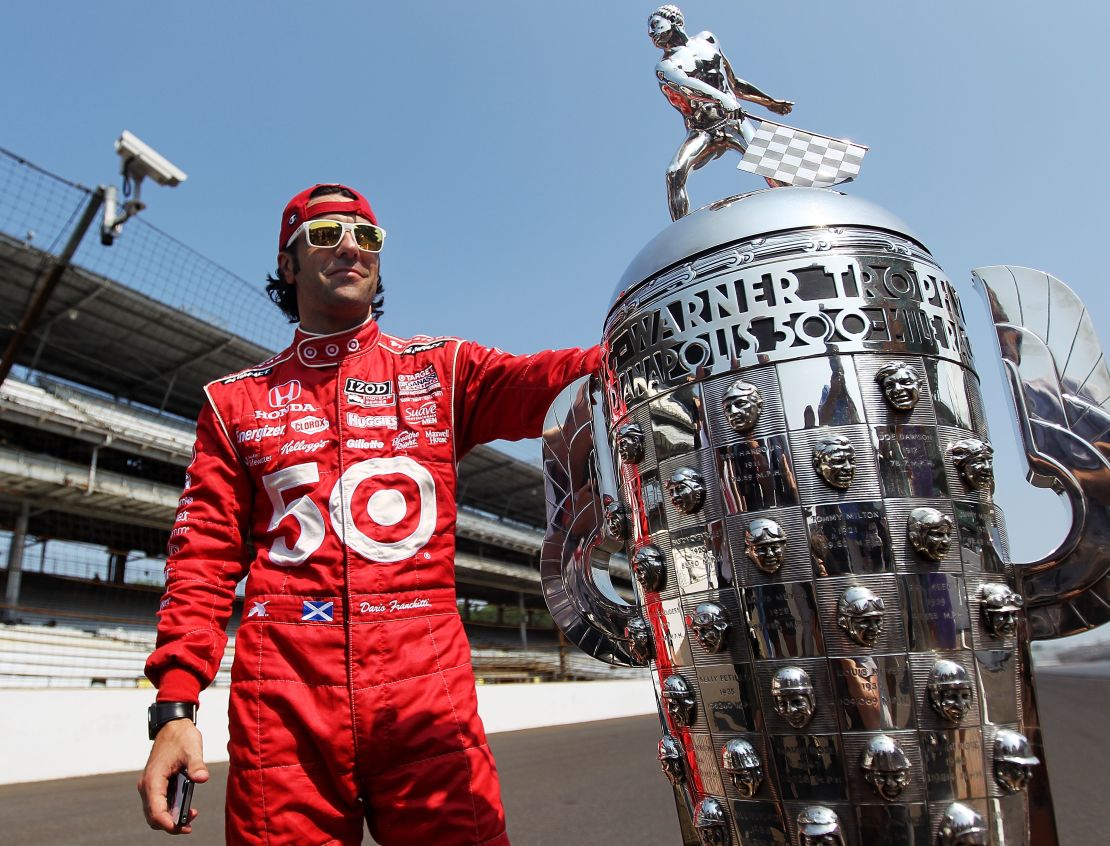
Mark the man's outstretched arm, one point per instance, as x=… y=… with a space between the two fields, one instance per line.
x=746 y=91
x=207 y=556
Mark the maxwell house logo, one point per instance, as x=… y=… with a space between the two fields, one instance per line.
x=368 y=393
x=284 y=394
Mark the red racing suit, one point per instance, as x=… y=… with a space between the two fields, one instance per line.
x=327 y=476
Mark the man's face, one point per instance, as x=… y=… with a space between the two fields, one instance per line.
x=837 y=467
x=937 y=540
x=1012 y=775
x=672 y=767
x=1002 y=623
x=742 y=412
x=888 y=784
x=660 y=31
x=902 y=389
x=795 y=707
x=630 y=443
x=335 y=285
x=953 y=702
x=679 y=705
x=978 y=469
x=686 y=494
x=768 y=553
x=971 y=838
x=821 y=840
x=747 y=780
x=865 y=628
x=711 y=634
x=713 y=835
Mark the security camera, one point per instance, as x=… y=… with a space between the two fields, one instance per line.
x=139 y=160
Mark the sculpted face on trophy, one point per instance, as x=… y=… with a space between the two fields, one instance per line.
x=766 y=543
x=886 y=767
x=1013 y=760
x=929 y=532
x=679 y=700
x=834 y=459
x=649 y=568
x=630 y=443
x=740 y=761
x=950 y=690
x=961 y=826
x=743 y=404
x=672 y=759
x=1000 y=605
x=711 y=823
x=687 y=490
x=710 y=624
x=860 y=614
x=901 y=385
x=640 y=644
x=974 y=459
x=819 y=826
x=793 y=695
x=616 y=519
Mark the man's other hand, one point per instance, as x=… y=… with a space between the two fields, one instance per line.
x=178 y=746
x=781 y=107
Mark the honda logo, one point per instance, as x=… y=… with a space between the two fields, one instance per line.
x=285 y=394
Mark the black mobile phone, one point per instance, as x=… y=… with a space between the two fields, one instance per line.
x=179 y=798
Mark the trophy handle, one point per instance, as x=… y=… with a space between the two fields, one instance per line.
x=1060 y=384
x=579 y=480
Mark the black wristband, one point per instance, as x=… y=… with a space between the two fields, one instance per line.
x=161 y=713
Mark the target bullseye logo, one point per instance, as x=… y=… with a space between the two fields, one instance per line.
x=385 y=508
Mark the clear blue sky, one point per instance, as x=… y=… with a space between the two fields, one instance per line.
x=515 y=150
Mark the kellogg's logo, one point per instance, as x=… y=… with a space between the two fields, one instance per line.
x=309 y=425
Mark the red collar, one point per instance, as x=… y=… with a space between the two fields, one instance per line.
x=329 y=350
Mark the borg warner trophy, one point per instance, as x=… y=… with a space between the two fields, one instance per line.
x=787 y=441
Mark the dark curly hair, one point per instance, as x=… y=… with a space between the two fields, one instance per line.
x=285 y=295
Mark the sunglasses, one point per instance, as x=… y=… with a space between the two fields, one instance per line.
x=328 y=233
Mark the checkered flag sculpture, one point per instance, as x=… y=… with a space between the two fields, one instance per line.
x=797 y=157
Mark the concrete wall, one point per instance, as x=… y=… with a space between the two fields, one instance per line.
x=47 y=734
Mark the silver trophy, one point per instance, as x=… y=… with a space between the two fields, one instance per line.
x=787 y=440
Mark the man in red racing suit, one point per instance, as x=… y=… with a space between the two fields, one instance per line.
x=327 y=477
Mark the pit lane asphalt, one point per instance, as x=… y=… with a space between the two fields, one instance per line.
x=587 y=783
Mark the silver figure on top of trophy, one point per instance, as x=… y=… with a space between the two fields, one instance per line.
x=901 y=385
x=743 y=403
x=698 y=80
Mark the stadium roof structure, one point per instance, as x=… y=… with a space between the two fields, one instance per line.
x=102 y=334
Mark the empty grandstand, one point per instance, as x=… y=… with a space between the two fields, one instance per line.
x=96 y=430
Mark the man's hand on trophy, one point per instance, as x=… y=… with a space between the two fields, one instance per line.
x=781 y=107
x=729 y=104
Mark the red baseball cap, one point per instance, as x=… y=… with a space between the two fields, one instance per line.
x=296 y=212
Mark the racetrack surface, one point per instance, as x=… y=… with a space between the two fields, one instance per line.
x=588 y=783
